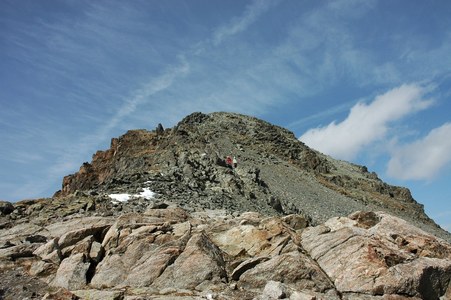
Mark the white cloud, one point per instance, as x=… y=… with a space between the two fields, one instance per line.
x=238 y=25
x=366 y=123
x=422 y=159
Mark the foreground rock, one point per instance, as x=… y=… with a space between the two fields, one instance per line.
x=377 y=254
x=171 y=254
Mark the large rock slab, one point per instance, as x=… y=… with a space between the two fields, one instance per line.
x=378 y=254
x=71 y=273
x=201 y=260
x=294 y=269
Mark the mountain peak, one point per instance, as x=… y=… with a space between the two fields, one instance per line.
x=275 y=173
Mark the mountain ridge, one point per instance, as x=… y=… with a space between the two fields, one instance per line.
x=273 y=166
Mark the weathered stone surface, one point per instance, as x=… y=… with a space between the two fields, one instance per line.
x=19 y=233
x=246 y=238
x=294 y=269
x=145 y=272
x=96 y=252
x=110 y=272
x=247 y=265
x=99 y=294
x=74 y=236
x=71 y=273
x=274 y=290
x=6 y=207
x=201 y=260
x=379 y=254
x=50 y=252
x=296 y=222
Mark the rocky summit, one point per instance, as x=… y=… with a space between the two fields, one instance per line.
x=221 y=206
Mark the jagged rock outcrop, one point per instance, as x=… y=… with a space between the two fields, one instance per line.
x=171 y=254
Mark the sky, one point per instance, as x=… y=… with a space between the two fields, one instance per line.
x=365 y=81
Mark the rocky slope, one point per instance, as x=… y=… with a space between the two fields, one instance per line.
x=160 y=215
x=276 y=173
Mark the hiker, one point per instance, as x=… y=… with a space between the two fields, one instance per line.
x=235 y=163
x=229 y=161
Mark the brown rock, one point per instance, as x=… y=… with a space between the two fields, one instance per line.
x=293 y=269
x=296 y=222
x=201 y=260
x=72 y=237
x=110 y=272
x=151 y=267
x=246 y=265
x=380 y=254
x=243 y=237
x=99 y=294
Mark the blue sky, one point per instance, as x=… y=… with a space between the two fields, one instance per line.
x=366 y=81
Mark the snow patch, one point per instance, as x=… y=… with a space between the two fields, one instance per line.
x=120 y=197
x=146 y=194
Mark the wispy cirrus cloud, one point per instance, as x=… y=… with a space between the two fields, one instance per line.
x=152 y=90
x=366 y=123
x=239 y=24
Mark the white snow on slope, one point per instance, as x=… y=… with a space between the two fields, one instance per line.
x=146 y=194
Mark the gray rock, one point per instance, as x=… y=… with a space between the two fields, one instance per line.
x=6 y=207
x=380 y=254
x=92 y=294
x=201 y=260
x=274 y=290
x=71 y=273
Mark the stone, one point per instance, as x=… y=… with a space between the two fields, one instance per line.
x=246 y=265
x=295 y=222
x=145 y=272
x=201 y=260
x=74 y=236
x=388 y=256
x=110 y=272
x=92 y=294
x=274 y=290
x=294 y=269
x=71 y=273
x=50 y=252
x=96 y=252
x=6 y=207
x=169 y=214
x=243 y=237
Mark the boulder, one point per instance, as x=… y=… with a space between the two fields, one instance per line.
x=111 y=271
x=50 y=252
x=151 y=266
x=74 y=236
x=92 y=294
x=274 y=290
x=6 y=207
x=72 y=272
x=378 y=254
x=294 y=269
x=249 y=238
x=201 y=260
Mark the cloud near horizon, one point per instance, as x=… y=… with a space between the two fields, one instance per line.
x=366 y=123
x=424 y=158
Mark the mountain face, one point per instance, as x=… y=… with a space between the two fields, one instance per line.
x=165 y=214
x=275 y=173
